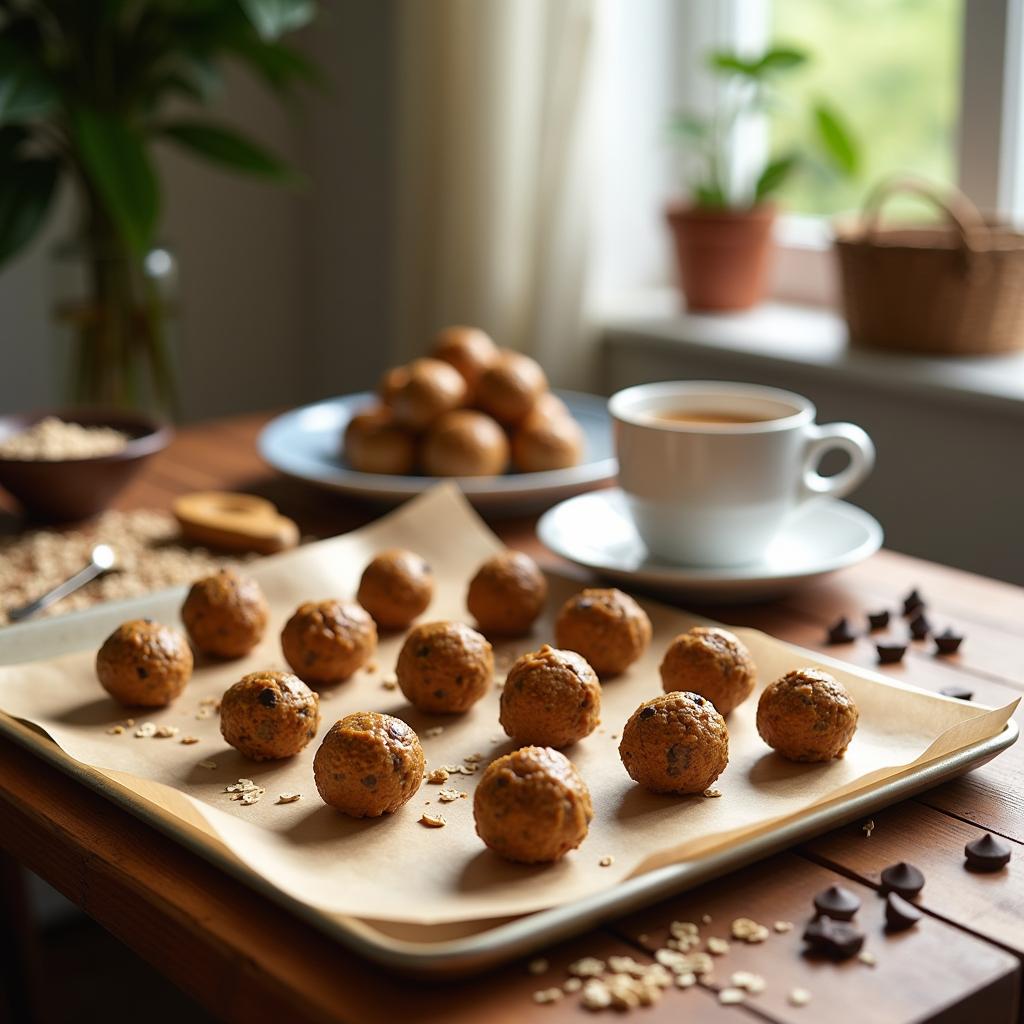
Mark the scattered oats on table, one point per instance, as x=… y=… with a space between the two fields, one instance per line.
x=538 y=966
x=712 y=793
x=433 y=820
x=447 y=796
x=572 y=985
x=865 y=956
x=115 y=730
x=429 y=734
x=437 y=776
x=288 y=798
x=166 y=732
x=245 y=791
x=868 y=827
x=389 y=684
x=799 y=997
x=748 y=981
x=705 y=919
x=547 y=995
x=473 y=758
x=717 y=947
x=731 y=996
x=587 y=967
x=145 y=731
x=189 y=740
x=746 y=930
x=606 y=862
x=595 y=995
x=783 y=926
x=208 y=764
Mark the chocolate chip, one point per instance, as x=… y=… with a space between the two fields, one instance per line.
x=899 y=914
x=369 y=781
x=960 y=692
x=141 y=672
x=268 y=698
x=913 y=602
x=837 y=903
x=878 y=620
x=902 y=878
x=647 y=712
x=840 y=633
x=948 y=642
x=890 y=654
x=836 y=939
x=920 y=627
x=987 y=853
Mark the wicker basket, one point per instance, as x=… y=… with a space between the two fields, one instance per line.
x=953 y=290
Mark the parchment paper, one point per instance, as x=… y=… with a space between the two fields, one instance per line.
x=395 y=869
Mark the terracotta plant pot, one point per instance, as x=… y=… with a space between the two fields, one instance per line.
x=724 y=255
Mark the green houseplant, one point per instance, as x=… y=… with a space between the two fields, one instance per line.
x=722 y=234
x=87 y=89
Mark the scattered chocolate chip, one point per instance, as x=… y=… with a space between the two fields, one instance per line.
x=841 y=633
x=913 y=602
x=268 y=698
x=920 y=627
x=987 y=853
x=878 y=620
x=960 y=692
x=890 y=654
x=836 y=939
x=899 y=914
x=648 y=712
x=902 y=878
x=948 y=642
x=837 y=903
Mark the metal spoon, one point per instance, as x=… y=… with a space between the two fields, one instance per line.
x=102 y=560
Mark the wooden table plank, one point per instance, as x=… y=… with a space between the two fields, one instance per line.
x=918 y=973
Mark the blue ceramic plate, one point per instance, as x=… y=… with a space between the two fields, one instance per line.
x=306 y=444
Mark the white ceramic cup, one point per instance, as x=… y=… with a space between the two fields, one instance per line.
x=716 y=494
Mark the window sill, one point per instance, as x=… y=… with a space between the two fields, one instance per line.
x=778 y=336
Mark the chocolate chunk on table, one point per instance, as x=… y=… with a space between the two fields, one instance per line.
x=890 y=654
x=960 y=692
x=878 y=620
x=913 y=602
x=902 y=878
x=841 y=633
x=920 y=627
x=837 y=903
x=838 y=940
x=989 y=853
x=947 y=642
x=900 y=914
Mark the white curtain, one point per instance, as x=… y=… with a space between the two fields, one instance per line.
x=494 y=167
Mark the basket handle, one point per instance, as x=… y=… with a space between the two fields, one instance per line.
x=961 y=213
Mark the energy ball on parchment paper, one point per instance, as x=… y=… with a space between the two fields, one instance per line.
x=468 y=349
x=510 y=386
x=395 y=588
x=532 y=806
x=507 y=594
x=607 y=627
x=675 y=743
x=464 y=443
x=430 y=389
x=551 y=698
x=144 y=664
x=368 y=764
x=225 y=614
x=269 y=715
x=807 y=715
x=444 y=667
x=712 y=662
x=326 y=641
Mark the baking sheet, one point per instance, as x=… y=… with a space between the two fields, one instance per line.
x=395 y=869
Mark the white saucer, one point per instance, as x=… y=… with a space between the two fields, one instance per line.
x=595 y=531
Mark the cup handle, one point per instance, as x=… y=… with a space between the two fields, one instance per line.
x=846 y=437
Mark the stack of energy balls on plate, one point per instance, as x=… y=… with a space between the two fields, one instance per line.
x=531 y=805
x=469 y=409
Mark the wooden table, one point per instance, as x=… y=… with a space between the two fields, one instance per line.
x=247 y=960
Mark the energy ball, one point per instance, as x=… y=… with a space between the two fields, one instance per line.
x=607 y=627
x=269 y=715
x=807 y=715
x=532 y=806
x=510 y=386
x=507 y=594
x=675 y=743
x=368 y=764
x=326 y=641
x=712 y=662
x=544 y=443
x=225 y=614
x=375 y=443
x=144 y=664
x=465 y=443
x=391 y=382
x=547 y=407
x=433 y=387
x=468 y=349
x=396 y=587
x=444 y=667
x=550 y=698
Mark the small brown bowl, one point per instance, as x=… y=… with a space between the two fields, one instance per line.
x=65 y=490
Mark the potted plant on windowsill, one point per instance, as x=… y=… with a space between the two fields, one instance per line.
x=723 y=232
x=86 y=92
